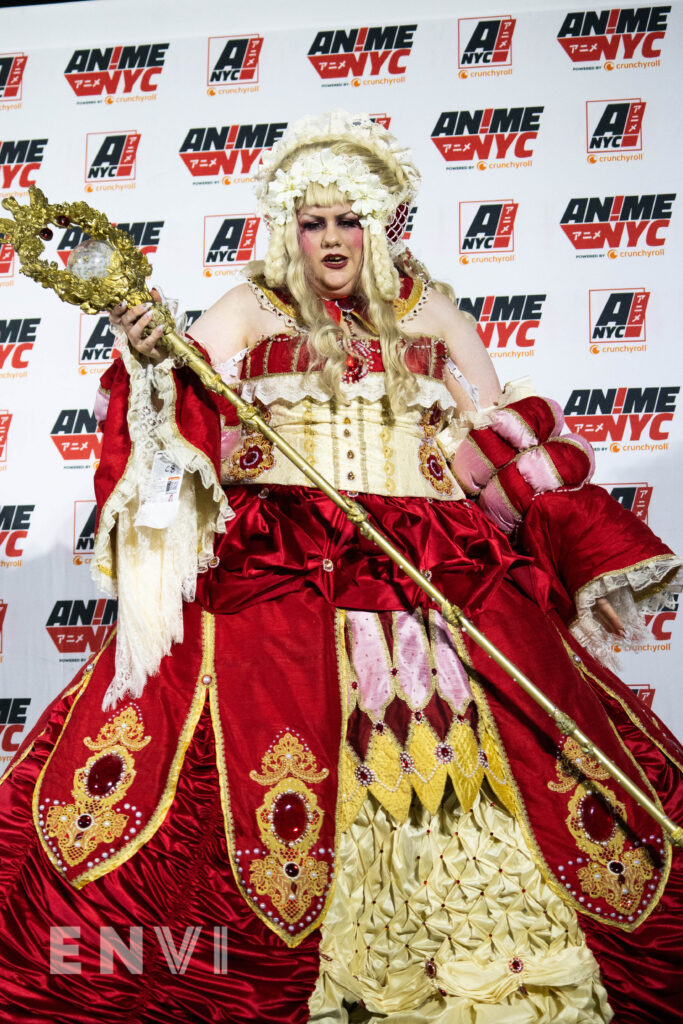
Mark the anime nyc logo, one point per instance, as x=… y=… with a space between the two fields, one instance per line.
x=623 y=225
x=228 y=242
x=635 y=497
x=618 y=36
x=17 y=338
x=117 y=73
x=20 y=161
x=12 y=712
x=80 y=627
x=496 y=136
x=5 y=422
x=145 y=234
x=76 y=437
x=617 y=319
x=233 y=64
x=623 y=419
x=487 y=231
x=85 y=516
x=110 y=158
x=95 y=344
x=15 y=522
x=6 y=264
x=379 y=54
x=12 y=67
x=3 y=615
x=507 y=324
x=231 y=150
x=485 y=46
x=614 y=130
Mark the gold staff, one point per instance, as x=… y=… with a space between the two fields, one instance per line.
x=108 y=269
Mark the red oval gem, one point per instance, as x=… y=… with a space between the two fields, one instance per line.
x=62 y=220
x=291 y=869
x=105 y=775
x=84 y=821
x=251 y=458
x=597 y=821
x=290 y=817
x=435 y=467
x=46 y=233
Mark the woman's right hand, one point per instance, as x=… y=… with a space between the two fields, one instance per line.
x=134 y=321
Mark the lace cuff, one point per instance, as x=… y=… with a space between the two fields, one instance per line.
x=639 y=590
x=155 y=568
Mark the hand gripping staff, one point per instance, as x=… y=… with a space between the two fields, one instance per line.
x=108 y=269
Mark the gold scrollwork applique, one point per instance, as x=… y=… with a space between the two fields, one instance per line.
x=612 y=873
x=80 y=827
x=255 y=454
x=289 y=822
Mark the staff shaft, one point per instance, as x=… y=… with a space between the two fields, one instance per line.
x=249 y=415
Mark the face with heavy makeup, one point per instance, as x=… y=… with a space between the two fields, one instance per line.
x=331 y=242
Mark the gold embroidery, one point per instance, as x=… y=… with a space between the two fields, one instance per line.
x=255 y=456
x=309 y=433
x=595 y=820
x=571 y=764
x=289 y=822
x=434 y=468
x=79 y=828
x=289 y=756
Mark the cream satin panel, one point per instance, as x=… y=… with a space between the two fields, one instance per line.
x=446 y=920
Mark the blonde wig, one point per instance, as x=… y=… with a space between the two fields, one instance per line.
x=369 y=171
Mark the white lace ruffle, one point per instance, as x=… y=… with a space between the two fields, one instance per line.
x=292 y=387
x=513 y=391
x=155 y=568
x=621 y=590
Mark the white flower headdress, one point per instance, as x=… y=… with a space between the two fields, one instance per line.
x=278 y=189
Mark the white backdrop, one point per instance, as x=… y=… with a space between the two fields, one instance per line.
x=546 y=140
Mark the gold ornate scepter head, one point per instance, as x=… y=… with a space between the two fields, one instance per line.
x=107 y=269
x=104 y=270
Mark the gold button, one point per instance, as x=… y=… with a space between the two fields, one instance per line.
x=346 y=419
x=350 y=455
x=347 y=433
x=350 y=476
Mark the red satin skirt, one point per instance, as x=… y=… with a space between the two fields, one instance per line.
x=288 y=543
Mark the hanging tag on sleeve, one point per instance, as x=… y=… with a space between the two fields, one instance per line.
x=160 y=506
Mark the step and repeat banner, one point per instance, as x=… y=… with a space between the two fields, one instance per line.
x=551 y=164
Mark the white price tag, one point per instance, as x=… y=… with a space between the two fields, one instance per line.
x=160 y=507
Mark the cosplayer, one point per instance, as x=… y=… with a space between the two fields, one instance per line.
x=284 y=738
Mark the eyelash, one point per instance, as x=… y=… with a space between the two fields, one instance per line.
x=315 y=225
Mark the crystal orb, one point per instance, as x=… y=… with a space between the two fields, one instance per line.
x=90 y=259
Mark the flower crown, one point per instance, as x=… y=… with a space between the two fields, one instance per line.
x=375 y=203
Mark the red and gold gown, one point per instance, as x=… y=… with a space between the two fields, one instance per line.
x=327 y=804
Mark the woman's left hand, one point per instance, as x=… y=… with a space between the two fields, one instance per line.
x=607 y=617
